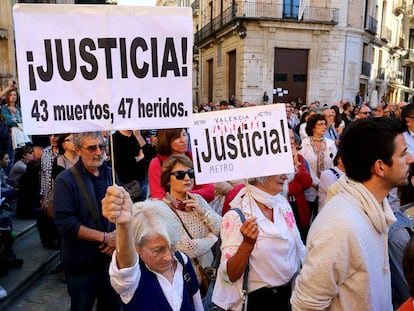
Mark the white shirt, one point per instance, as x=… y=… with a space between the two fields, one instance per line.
x=125 y=282
x=311 y=157
x=327 y=179
x=274 y=260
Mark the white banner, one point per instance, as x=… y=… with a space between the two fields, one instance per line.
x=241 y=143
x=100 y=67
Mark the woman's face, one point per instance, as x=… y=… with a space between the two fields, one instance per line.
x=182 y=186
x=68 y=144
x=319 y=129
x=5 y=161
x=157 y=254
x=180 y=144
x=27 y=157
x=273 y=184
x=12 y=97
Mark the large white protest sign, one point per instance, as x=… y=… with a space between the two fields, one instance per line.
x=241 y=143
x=103 y=67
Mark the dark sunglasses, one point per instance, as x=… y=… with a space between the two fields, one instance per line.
x=180 y=175
x=93 y=148
x=366 y=112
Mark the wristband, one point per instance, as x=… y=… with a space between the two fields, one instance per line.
x=104 y=238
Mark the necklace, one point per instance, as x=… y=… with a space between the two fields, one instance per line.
x=316 y=139
x=176 y=203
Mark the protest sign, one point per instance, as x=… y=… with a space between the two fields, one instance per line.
x=100 y=67
x=241 y=143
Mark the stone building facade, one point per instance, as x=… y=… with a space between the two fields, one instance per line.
x=317 y=50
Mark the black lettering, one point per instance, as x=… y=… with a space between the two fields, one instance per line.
x=47 y=75
x=169 y=52
x=32 y=79
x=259 y=151
x=107 y=44
x=275 y=143
x=207 y=157
x=87 y=43
x=138 y=43
x=123 y=57
x=154 y=57
x=67 y=75
x=230 y=139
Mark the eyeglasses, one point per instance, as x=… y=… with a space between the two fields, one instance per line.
x=180 y=175
x=93 y=148
x=159 y=252
x=366 y=112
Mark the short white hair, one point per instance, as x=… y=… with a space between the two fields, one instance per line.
x=151 y=218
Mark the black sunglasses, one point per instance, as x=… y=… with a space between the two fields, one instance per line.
x=180 y=175
x=93 y=148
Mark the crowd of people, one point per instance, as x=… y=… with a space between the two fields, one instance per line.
x=329 y=236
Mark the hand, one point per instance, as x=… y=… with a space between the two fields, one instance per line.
x=117 y=205
x=191 y=204
x=250 y=231
x=110 y=239
x=105 y=249
x=136 y=132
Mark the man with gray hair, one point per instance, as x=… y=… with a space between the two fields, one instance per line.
x=88 y=239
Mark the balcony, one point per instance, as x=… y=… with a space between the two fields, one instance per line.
x=371 y=25
x=409 y=57
x=395 y=77
x=366 y=69
x=244 y=10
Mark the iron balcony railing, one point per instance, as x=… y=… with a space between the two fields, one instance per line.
x=371 y=25
x=244 y=10
x=396 y=76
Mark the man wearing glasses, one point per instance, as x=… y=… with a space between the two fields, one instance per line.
x=88 y=239
x=364 y=112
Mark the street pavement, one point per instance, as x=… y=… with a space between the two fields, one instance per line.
x=48 y=293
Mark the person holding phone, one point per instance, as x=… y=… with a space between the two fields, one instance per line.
x=200 y=223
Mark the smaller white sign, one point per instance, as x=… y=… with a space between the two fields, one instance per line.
x=241 y=143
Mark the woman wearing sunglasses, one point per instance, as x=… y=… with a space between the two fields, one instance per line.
x=169 y=142
x=200 y=224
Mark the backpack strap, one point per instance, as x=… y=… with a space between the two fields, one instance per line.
x=246 y=270
x=186 y=275
x=85 y=193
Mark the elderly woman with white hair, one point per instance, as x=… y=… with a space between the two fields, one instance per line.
x=268 y=243
x=146 y=271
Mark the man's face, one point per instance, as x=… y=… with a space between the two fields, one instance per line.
x=53 y=139
x=329 y=116
x=409 y=121
x=92 y=153
x=364 y=112
x=396 y=174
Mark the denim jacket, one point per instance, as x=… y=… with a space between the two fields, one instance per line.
x=398 y=236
